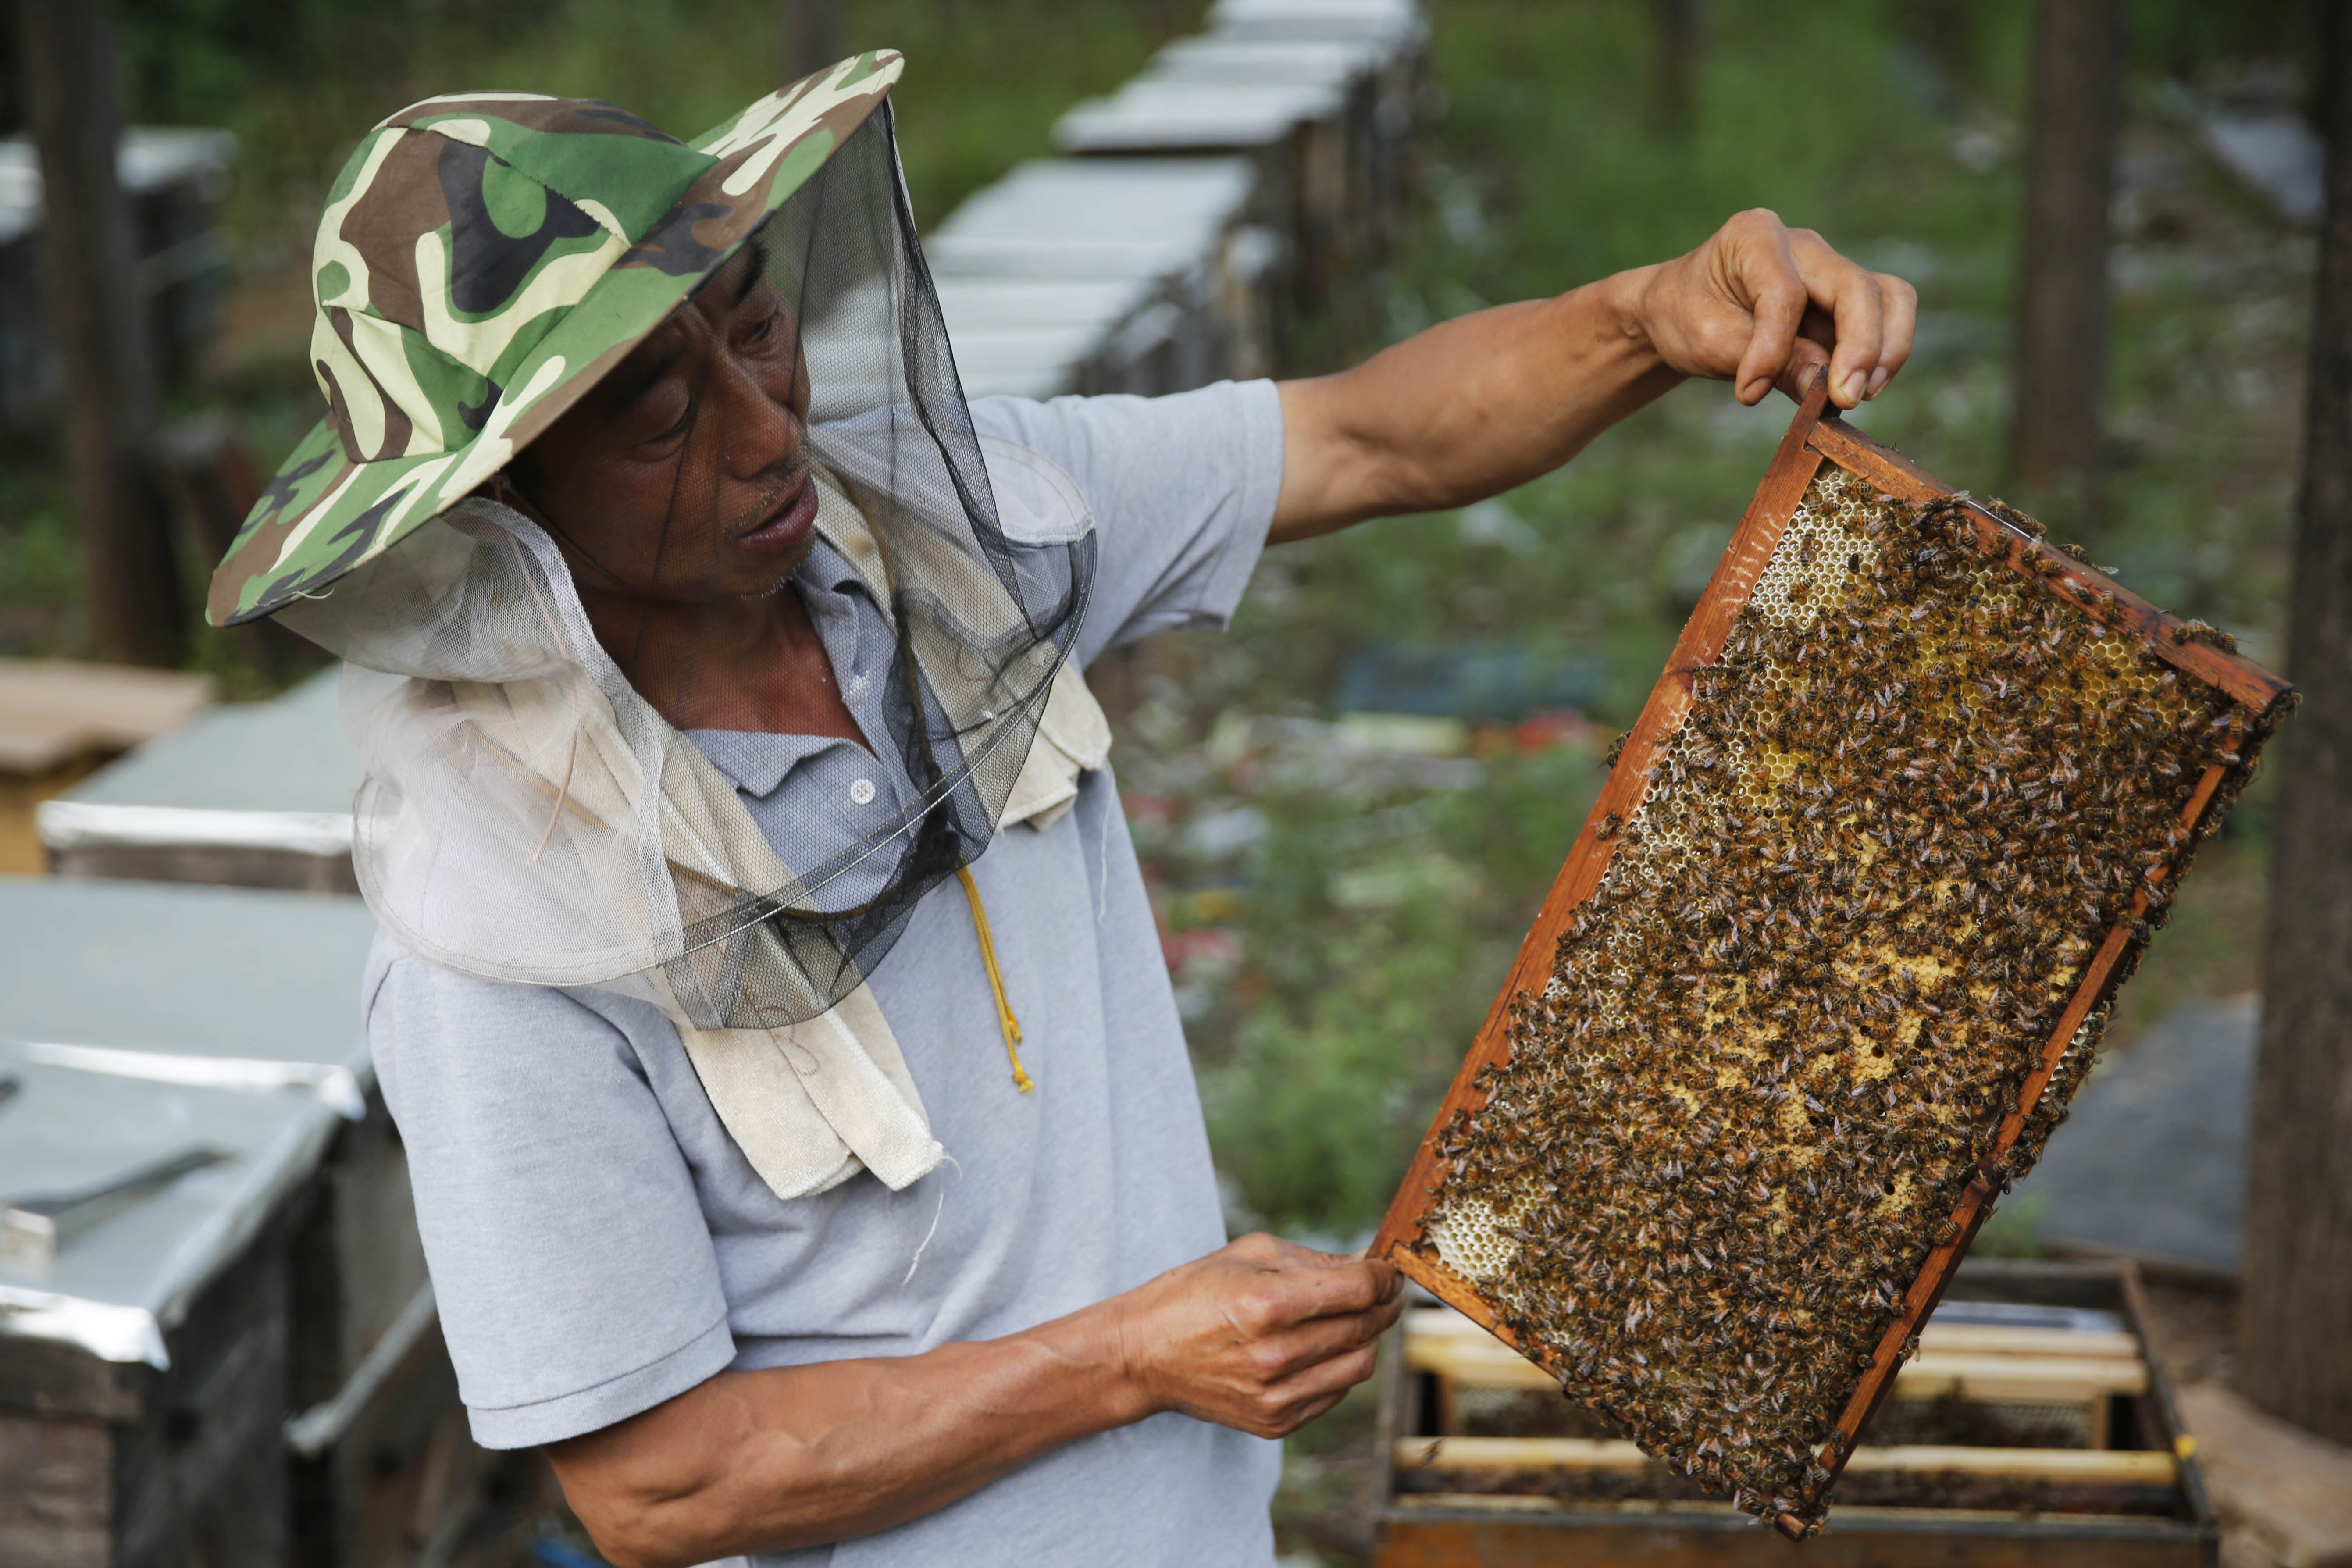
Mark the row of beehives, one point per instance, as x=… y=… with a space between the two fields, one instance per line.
x=1254 y=164
x=1198 y=210
x=216 y=1335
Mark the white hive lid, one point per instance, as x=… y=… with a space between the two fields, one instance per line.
x=1080 y=217
x=259 y=775
x=987 y=302
x=1400 y=23
x=114 y=997
x=1153 y=114
x=1316 y=62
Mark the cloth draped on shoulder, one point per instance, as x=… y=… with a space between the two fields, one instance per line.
x=528 y=817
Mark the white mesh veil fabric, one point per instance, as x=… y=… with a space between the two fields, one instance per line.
x=530 y=815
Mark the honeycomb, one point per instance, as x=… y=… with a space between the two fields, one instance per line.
x=1861 y=884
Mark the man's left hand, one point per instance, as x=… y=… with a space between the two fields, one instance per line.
x=1479 y=404
x=1761 y=304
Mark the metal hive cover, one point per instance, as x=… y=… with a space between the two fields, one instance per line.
x=1822 y=968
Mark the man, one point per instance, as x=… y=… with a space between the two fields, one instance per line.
x=717 y=636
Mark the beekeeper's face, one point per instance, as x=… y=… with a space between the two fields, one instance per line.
x=684 y=476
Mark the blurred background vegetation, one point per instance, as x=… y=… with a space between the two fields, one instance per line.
x=1337 y=931
x=1894 y=130
x=298 y=81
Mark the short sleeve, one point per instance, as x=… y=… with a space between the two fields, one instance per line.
x=1183 y=488
x=575 y=1275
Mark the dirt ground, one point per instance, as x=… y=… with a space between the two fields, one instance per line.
x=2284 y=1495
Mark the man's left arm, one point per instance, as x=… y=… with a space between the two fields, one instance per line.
x=1487 y=401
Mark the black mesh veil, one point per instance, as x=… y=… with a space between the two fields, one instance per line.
x=887 y=419
x=534 y=810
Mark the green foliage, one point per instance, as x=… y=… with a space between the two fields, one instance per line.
x=300 y=80
x=40 y=558
x=2188 y=39
x=1371 y=939
x=2014 y=1230
x=1801 y=111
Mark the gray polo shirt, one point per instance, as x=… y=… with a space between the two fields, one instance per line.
x=599 y=1243
x=841 y=792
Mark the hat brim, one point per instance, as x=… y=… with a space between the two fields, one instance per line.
x=322 y=515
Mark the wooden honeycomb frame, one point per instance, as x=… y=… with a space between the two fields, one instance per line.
x=1813 y=441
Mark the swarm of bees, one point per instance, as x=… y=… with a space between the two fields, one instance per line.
x=1908 y=802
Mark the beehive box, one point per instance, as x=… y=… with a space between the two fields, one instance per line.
x=1372 y=128
x=1295 y=135
x=1186 y=231
x=1396 y=32
x=1823 y=966
x=1478 y=1466
x=243 y=1366
x=1044 y=336
x=60 y=720
x=248 y=795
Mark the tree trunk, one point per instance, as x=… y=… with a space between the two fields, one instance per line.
x=1678 y=33
x=137 y=609
x=2293 y=1355
x=812 y=37
x=2062 y=319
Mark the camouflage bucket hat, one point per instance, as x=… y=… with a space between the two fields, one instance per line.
x=483 y=260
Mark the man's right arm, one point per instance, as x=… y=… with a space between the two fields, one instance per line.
x=1262 y=1335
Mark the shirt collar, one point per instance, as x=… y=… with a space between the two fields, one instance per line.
x=827 y=570
x=756 y=763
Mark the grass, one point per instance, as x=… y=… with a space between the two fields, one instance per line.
x=40 y=556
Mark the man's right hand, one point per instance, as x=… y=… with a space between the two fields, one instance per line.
x=1262 y=1335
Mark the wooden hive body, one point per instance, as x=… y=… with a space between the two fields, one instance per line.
x=1824 y=964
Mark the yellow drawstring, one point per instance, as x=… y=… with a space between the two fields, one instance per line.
x=1004 y=1018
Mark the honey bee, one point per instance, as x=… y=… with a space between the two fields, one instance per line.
x=2211 y=636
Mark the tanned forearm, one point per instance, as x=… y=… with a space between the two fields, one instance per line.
x=1260 y=1335
x=1470 y=408
x=798 y=1456
x=1489 y=401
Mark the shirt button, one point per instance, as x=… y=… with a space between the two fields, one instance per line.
x=862 y=792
